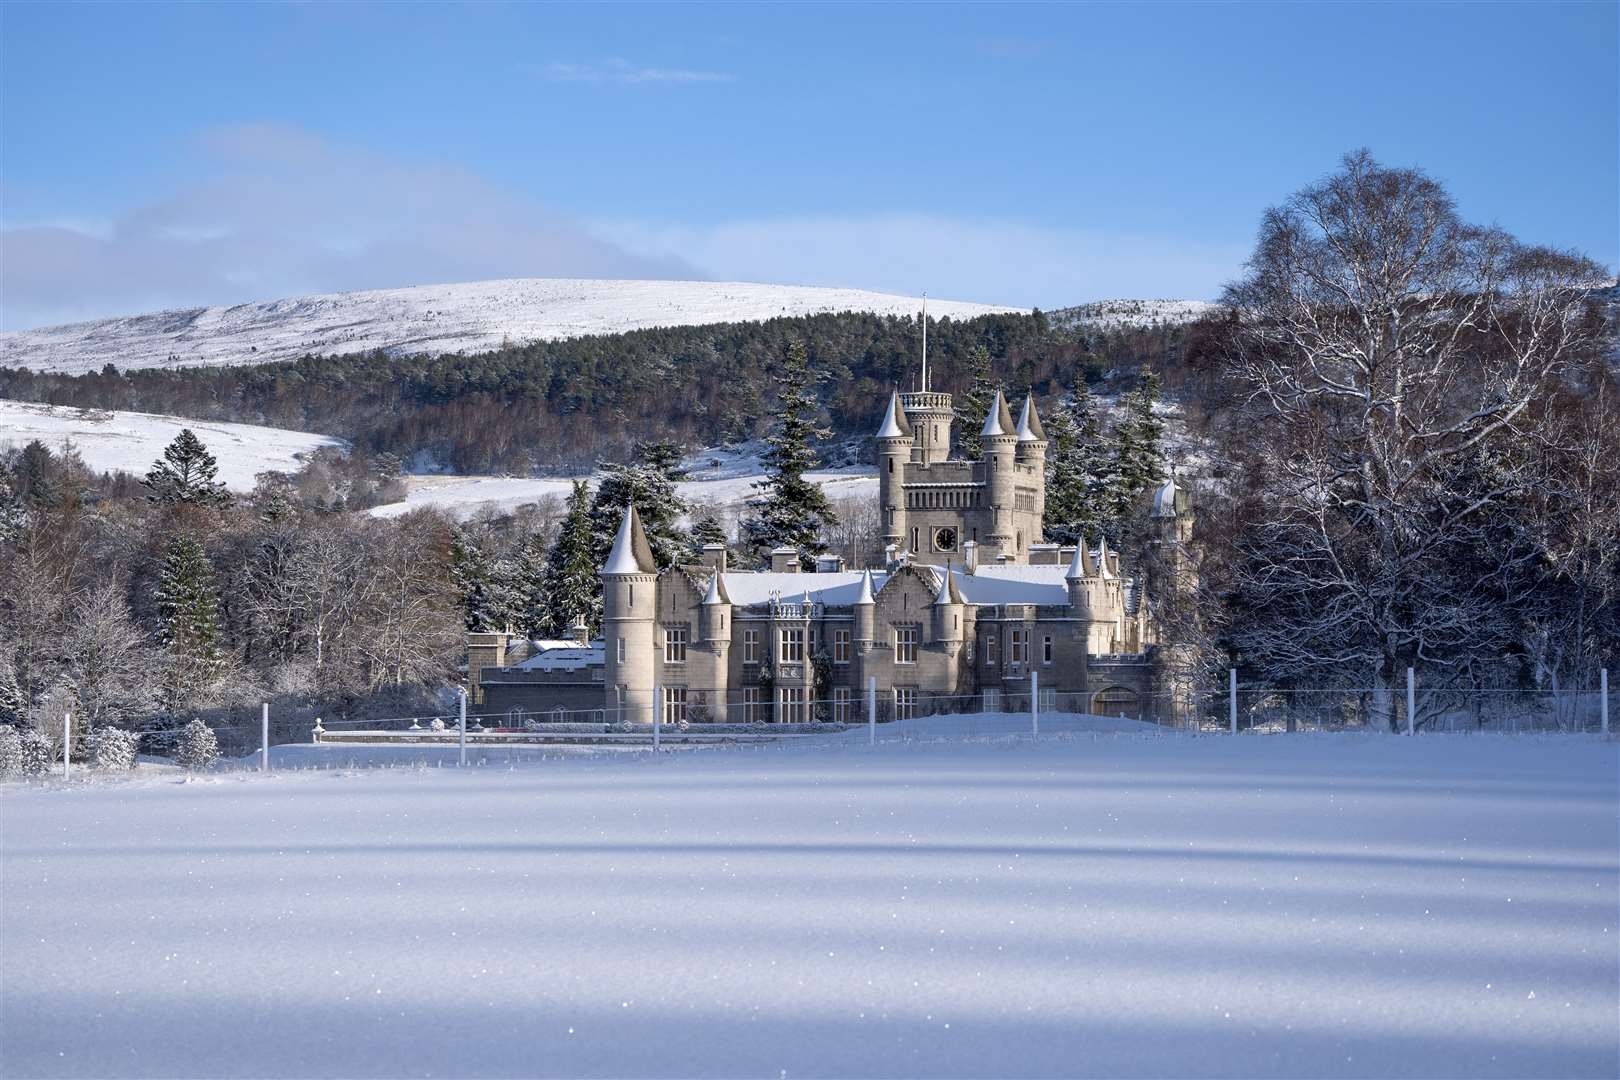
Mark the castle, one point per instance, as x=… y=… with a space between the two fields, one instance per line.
x=968 y=611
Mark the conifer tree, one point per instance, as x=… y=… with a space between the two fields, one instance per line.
x=1080 y=470
x=975 y=404
x=1139 y=453
x=649 y=482
x=186 y=474
x=188 y=615
x=791 y=510
x=474 y=578
x=708 y=530
x=13 y=705
x=197 y=748
x=526 y=582
x=13 y=512
x=573 y=587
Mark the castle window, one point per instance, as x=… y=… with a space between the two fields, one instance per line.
x=841 y=704
x=990 y=649
x=793 y=704
x=992 y=701
x=674 y=644
x=891 y=465
x=913 y=539
x=750 y=646
x=619 y=652
x=1046 y=649
x=674 y=704
x=559 y=715
x=792 y=645
x=905 y=644
x=840 y=649
x=754 y=705
x=905 y=702
x=1017 y=645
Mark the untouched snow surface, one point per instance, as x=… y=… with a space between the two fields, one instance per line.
x=1109 y=906
x=1114 y=314
x=109 y=441
x=468 y=317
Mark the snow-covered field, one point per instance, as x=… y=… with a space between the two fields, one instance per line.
x=471 y=317
x=1114 y=314
x=1110 y=906
x=131 y=441
x=464 y=496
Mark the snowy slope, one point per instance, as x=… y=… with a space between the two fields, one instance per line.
x=1115 y=314
x=1323 y=906
x=468 y=317
x=131 y=441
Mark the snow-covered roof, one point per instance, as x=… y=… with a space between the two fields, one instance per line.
x=1015 y=583
x=563 y=656
x=1029 y=422
x=865 y=595
x=895 y=424
x=1104 y=571
x=833 y=589
x=716 y=592
x=1077 y=565
x=992 y=420
x=631 y=553
x=1165 y=502
x=947 y=593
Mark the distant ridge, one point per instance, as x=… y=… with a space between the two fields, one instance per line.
x=469 y=317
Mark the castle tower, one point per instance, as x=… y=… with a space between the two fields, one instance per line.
x=999 y=437
x=629 y=605
x=894 y=446
x=715 y=626
x=1075 y=579
x=865 y=614
x=948 y=611
x=1032 y=452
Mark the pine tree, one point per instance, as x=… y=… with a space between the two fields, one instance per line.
x=186 y=474
x=197 y=748
x=13 y=705
x=1139 y=453
x=975 y=404
x=473 y=574
x=792 y=511
x=573 y=587
x=188 y=615
x=708 y=530
x=649 y=482
x=13 y=512
x=1080 y=470
x=526 y=580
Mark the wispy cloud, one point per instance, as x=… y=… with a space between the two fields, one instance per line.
x=280 y=212
x=616 y=70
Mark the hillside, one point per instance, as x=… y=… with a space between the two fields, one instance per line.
x=469 y=317
x=130 y=441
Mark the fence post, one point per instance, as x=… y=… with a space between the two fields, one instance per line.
x=461 y=728
x=1411 y=702
x=1603 y=700
x=1231 y=697
x=264 y=743
x=871 y=710
x=1035 y=704
x=658 y=715
x=67 y=744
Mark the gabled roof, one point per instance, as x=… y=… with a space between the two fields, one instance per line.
x=631 y=553
x=1029 y=422
x=716 y=592
x=895 y=424
x=998 y=421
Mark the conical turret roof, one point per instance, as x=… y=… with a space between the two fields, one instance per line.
x=1077 y=565
x=1029 y=422
x=895 y=424
x=948 y=592
x=866 y=589
x=631 y=553
x=716 y=593
x=998 y=421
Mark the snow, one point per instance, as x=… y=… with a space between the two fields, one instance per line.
x=1087 y=906
x=468 y=317
x=563 y=657
x=131 y=441
x=1118 y=314
x=464 y=496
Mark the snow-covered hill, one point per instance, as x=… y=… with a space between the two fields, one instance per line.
x=468 y=317
x=131 y=441
x=1114 y=314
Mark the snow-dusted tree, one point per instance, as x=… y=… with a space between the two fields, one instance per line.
x=197 y=748
x=527 y=575
x=473 y=573
x=974 y=405
x=791 y=510
x=112 y=668
x=13 y=511
x=186 y=474
x=649 y=482
x=35 y=752
x=11 y=752
x=1080 y=469
x=274 y=498
x=573 y=589
x=188 y=618
x=1391 y=351
x=708 y=530
x=13 y=706
x=405 y=627
x=1138 y=450
x=114 y=749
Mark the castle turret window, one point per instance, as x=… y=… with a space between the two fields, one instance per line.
x=905 y=644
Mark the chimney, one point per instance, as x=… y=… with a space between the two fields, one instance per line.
x=581 y=631
x=714 y=556
x=970 y=555
x=785 y=560
x=829 y=564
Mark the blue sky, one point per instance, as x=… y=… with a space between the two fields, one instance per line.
x=159 y=156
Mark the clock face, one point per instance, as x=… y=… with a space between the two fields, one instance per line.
x=944 y=539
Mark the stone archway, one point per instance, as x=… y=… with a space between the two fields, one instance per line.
x=1117 y=701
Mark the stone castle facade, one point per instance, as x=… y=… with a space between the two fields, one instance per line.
x=968 y=606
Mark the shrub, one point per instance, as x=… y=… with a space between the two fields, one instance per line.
x=113 y=748
x=37 y=753
x=11 y=752
x=197 y=747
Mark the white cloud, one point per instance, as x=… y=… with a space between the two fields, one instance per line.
x=990 y=261
x=620 y=71
x=282 y=212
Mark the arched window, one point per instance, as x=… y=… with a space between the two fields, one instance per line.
x=559 y=715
